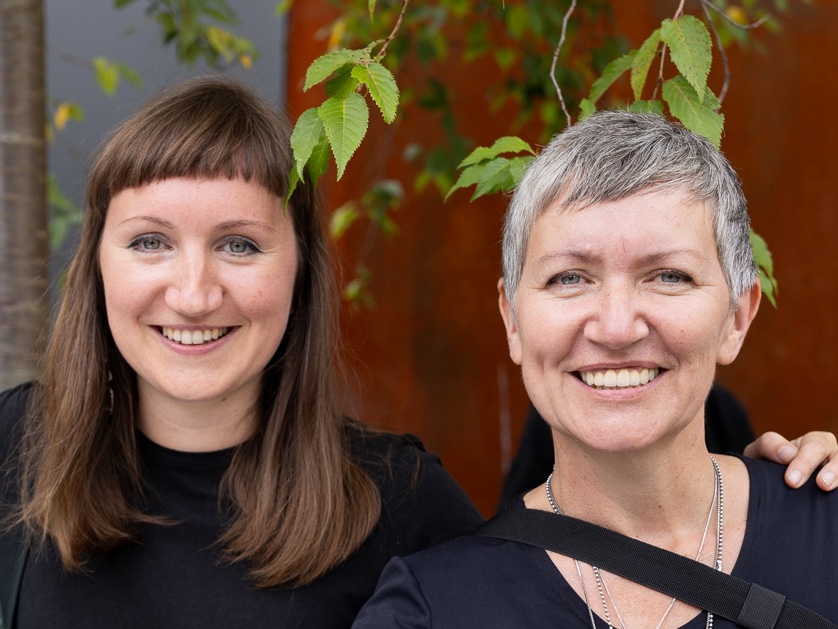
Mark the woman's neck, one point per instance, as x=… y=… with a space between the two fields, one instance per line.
x=197 y=426
x=658 y=495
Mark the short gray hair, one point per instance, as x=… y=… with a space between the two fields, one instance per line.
x=616 y=154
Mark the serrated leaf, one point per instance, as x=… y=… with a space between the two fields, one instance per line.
x=322 y=67
x=469 y=177
x=342 y=219
x=107 y=75
x=765 y=267
x=647 y=107
x=304 y=138
x=382 y=87
x=691 y=49
x=517 y=168
x=699 y=118
x=318 y=163
x=612 y=72
x=506 y=144
x=293 y=180
x=342 y=82
x=643 y=61
x=495 y=177
x=345 y=120
x=586 y=108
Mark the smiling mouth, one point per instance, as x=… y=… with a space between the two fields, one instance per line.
x=194 y=337
x=618 y=378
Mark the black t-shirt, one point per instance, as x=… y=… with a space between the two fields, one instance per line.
x=789 y=547
x=175 y=576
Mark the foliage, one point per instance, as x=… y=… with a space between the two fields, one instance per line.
x=193 y=27
x=668 y=75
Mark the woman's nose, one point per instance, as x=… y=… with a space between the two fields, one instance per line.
x=618 y=320
x=194 y=289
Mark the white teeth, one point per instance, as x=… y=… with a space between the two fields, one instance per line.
x=613 y=379
x=194 y=337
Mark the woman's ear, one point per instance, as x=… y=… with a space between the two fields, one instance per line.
x=508 y=315
x=746 y=309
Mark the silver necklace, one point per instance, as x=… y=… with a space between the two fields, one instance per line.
x=602 y=587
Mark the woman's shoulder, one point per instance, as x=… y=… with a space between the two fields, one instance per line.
x=422 y=504
x=13 y=404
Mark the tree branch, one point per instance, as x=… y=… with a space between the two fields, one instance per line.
x=678 y=13
x=726 y=83
x=556 y=60
x=745 y=27
x=395 y=30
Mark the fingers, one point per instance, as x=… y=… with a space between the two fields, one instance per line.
x=772 y=446
x=804 y=456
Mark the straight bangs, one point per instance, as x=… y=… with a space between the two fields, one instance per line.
x=207 y=133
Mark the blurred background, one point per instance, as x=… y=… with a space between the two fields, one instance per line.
x=423 y=337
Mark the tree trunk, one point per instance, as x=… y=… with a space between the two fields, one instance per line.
x=24 y=301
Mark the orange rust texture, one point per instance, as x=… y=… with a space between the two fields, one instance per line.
x=431 y=357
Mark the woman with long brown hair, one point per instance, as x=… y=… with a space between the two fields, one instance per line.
x=183 y=460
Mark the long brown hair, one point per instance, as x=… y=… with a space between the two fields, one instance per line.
x=300 y=505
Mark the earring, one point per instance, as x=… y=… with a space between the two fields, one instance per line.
x=110 y=392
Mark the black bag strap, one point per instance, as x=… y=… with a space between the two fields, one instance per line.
x=748 y=605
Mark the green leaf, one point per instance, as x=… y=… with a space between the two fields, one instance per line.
x=322 y=67
x=612 y=72
x=685 y=105
x=371 y=8
x=129 y=74
x=691 y=50
x=107 y=75
x=765 y=267
x=642 y=61
x=382 y=87
x=345 y=120
x=647 y=107
x=517 y=167
x=494 y=178
x=293 y=180
x=506 y=144
x=586 y=108
x=342 y=219
x=505 y=57
x=342 y=83
x=469 y=177
x=64 y=214
x=318 y=163
x=304 y=138
x=283 y=7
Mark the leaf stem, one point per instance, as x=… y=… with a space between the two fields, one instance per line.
x=556 y=60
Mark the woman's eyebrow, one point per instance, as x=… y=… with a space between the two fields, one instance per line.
x=245 y=223
x=151 y=219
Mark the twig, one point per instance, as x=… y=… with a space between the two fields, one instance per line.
x=722 y=53
x=678 y=13
x=745 y=27
x=395 y=30
x=556 y=60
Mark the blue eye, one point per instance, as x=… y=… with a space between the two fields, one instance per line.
x=570 y=279
x=241 y=247
x=146 y=243
x=670 y=277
